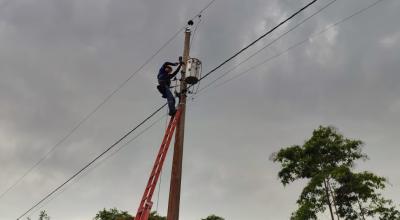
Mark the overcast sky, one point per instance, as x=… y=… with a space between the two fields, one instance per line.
x=61 y=58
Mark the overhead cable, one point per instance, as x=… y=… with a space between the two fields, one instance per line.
x=154 y=113
x=104 y=101
x=269 y=44
x=94 y=166
x=258 y=39
x=306 y=40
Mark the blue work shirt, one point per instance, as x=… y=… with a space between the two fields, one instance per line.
x=164 y=76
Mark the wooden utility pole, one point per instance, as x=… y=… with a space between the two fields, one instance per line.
x=176 y=174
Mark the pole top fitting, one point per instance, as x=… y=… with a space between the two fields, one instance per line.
x=189 y=24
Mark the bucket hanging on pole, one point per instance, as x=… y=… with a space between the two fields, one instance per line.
x=193 y=71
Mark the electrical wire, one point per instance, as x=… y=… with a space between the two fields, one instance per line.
x=161 y=172
x=306 y=40
x=155 y=112
x=159 y=189
x=91 y=113
x=315 y=35
x=269 y=59
x=269 y=44
x=90 y=169
x=258 y=39
x=191 y=46
x=205 y=8
x=255 y=41
x=194 y=31
x=92 y=161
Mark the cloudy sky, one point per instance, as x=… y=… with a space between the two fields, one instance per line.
x=60 y=58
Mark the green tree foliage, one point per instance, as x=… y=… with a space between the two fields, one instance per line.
x=326 y=161
x=42 y=216
x=357 y=198
x=112 y=214
x=213 y=217
x=155 y=216
x=115 y=214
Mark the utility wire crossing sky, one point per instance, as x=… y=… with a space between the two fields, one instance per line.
x=74 y=56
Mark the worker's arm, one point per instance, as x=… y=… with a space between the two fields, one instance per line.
x=170 y=64
x=172 y=75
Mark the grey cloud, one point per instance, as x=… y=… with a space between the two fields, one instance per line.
x=61 y=58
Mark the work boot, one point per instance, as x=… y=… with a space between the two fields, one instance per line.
x=172 y=113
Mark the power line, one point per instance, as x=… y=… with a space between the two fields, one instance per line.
x=92 y=161
x=269 y=44
x=191 y=43
x=299 y=43
x=105 y=100
x=100 y=162
x=292 y=47
x=155 y=112
x=194 y=31
x=258 y=39
x=161 y=172
x=205 y=8
x=285 y=51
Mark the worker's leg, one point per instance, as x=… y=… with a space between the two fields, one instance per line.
x=161 y=89
x=171 y=101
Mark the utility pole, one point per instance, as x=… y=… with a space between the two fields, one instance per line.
x=176 y=174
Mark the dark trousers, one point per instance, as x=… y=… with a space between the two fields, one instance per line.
x=163 y=88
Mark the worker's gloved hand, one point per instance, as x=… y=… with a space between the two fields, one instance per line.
x=180 y=60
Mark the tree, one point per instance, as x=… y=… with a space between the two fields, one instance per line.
x=213 y=217
x=112 y=214
x=115 y=214
x=326 y=160
x=357 y=198
x=155 y=216
x=42 y=216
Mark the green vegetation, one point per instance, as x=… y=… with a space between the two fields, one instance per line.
x=112 y=214
x=115 y=214
x=326 y=160
x=213 y=217
x=42 y=216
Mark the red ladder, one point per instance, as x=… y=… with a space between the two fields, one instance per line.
x=146 y=203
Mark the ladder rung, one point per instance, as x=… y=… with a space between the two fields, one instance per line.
x=145 y=205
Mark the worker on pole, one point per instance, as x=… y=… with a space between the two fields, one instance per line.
x=164 y=82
